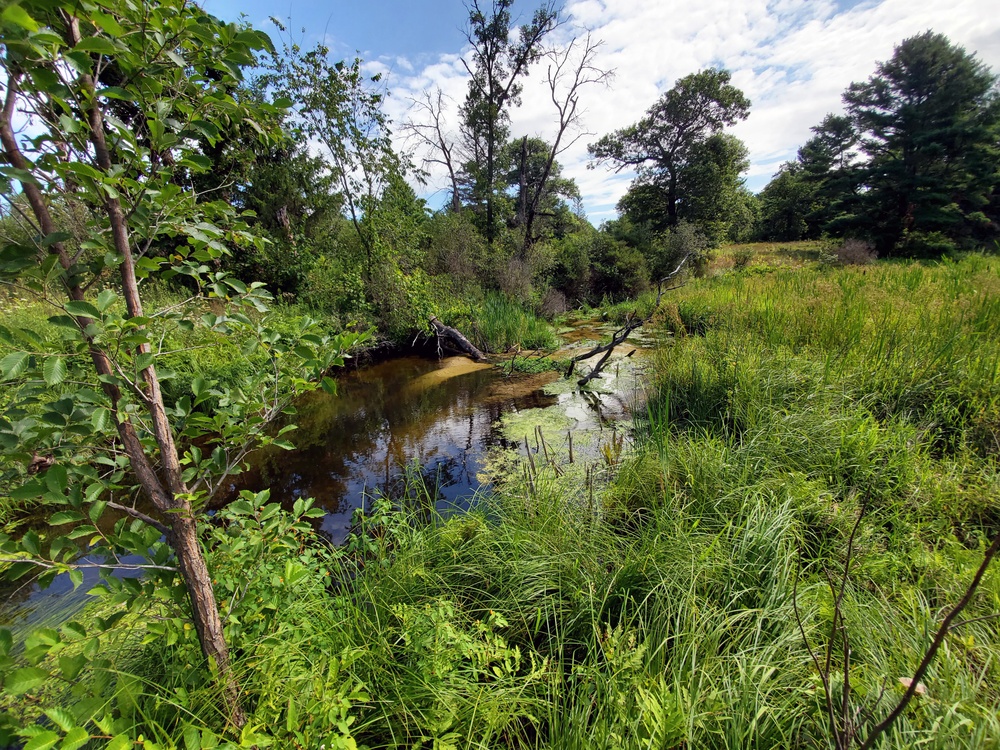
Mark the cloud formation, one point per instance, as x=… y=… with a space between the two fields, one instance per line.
x=793 y=59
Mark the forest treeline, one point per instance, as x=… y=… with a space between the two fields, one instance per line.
x=910 y=168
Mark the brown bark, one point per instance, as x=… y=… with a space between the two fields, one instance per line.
x=457 y=338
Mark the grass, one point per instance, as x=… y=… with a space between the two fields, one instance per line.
x=765 y=255
x=502 y=323
x=663 y=614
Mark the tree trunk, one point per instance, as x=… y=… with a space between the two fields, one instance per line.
x=522 y=187
x=207 y=622
x=457 y=338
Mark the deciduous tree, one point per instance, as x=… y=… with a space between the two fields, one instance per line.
x=119 y=98
x=670 y=139
x=497 y=68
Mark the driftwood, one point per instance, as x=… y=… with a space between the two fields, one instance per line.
x=456 y=337
x=632 y=322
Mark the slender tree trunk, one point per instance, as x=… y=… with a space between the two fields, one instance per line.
x=522 y=190
x=672 y=200
x=490 y=149
x=207 y=621
x=183 y=536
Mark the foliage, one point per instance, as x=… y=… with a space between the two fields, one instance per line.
x=121 y=134
x=497 y=67
x=928 y=121
x=617 y=270
x=502 y=323
x=912 y=165
x=678 y=141
x=785 y=203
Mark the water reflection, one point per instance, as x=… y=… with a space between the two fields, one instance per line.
x=384 y=420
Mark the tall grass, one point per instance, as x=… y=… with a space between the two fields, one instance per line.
x=502 y=323
x=664 y=614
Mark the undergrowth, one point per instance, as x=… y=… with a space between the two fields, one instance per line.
x=666 y=613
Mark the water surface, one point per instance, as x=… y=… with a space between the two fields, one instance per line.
x=409 y=414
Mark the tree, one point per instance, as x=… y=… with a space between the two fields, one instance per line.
x=497 y=67
x=440 y=147
x=929 y=123
x=537 y=181
x=339 y=109
x=832 y=172
x=711 y=190
x=785 y=202
x=669 y=140
x=118 y=113
x=569 y=70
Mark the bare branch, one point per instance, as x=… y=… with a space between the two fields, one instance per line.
x=939 y=638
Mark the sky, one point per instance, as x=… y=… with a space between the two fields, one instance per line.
x=792 y=58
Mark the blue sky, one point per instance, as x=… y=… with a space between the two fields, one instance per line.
x=793 y=58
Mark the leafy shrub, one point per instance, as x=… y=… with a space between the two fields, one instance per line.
x=618 y=271
x=926 y=245
x=337 y=289
x=742 y=257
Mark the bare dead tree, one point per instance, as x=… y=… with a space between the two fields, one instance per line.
x=427 y=128
x=568 y=71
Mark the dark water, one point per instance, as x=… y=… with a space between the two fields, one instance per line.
x=409 y=418
x=429 y=419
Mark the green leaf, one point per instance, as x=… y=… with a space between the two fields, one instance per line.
x=97 y=44
x=54 y=371
x=65 y=516
x=54 y=237
x=42 y=741
x=13 y=365
x=22 y=680
x=116 y=92
x=97 y=510
x=76 y=577
x=30 y=543
x=106 y=23
x=143 y=361
x=61 y=718
x=57 y=479
x=329 y=385
x=82 y=307
x=121 y=742
x=105 y=299
x=71 y=666
x=17 y=15
x=75 y=739
x=6 y=642
x=198 y=162
x=100 y=418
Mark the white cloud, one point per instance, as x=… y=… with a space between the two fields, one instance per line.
x=793 y=60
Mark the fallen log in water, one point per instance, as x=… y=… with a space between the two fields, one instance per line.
x=456 y=337
x=632 y=322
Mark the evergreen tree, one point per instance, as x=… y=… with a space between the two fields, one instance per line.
x=929 y=122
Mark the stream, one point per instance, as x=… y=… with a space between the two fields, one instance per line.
x=405 y=418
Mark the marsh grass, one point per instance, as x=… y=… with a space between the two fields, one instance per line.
x=502 y=323
x=662 y=615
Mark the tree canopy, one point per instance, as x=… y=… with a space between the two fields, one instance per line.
x=914 y=163
x=669 y=141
